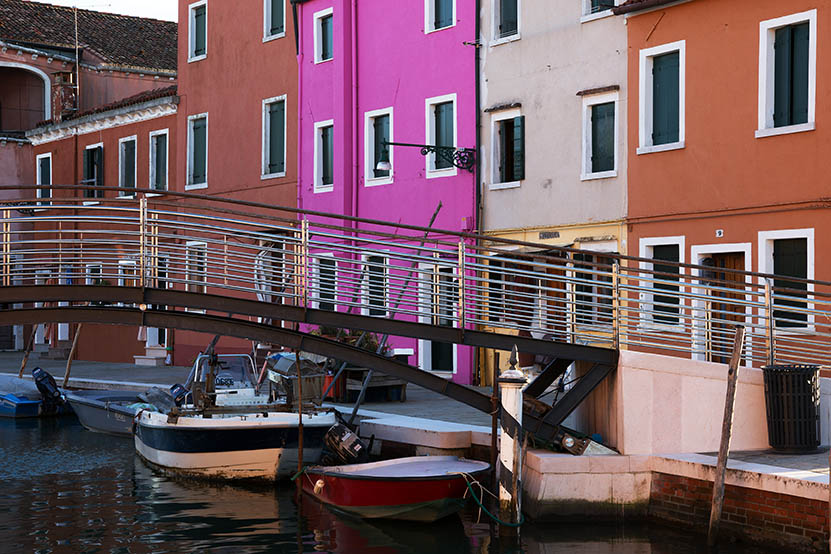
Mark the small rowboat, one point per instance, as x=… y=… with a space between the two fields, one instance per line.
x=420 y=488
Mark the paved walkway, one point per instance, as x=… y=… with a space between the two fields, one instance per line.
x=420 y=402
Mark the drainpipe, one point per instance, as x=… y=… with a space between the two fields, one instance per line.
x=297 y=37
x=477 y=209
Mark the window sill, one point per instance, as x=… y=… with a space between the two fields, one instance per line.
x=321 y=189
x=595 y=16
x=317 y=62
x=430 y=31
x=197 y=58
x=661 y=148
x=663 y=328
x=196 y=186
x=152 y=194
x=598 y=175
x=269 y=38
x=788 y=130
x=439 y=173
x=379 y=181
x=91 y=202
x=501 y=186
x=272 y=176
x=505 y=40
x=126 y=195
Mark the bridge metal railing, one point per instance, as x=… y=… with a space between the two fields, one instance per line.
x=380 y=269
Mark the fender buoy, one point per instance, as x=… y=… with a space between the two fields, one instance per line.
x=319 y=486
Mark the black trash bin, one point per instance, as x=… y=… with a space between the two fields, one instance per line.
x=792 y=402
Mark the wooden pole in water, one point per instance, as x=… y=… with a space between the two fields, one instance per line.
x=71 y=354
x=299 y=419
x=495 y=423
x=726 y=431
x=28 y=351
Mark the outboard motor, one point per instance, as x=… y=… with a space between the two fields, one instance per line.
x=53 y=398
x=344 y=446
x=179 y=393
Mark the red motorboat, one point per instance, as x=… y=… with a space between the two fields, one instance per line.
x=421 y=488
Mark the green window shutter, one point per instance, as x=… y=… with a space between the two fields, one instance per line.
x=800 y=37
x=327 y=150
x=506 y=151
x=381 y=131
x=665 y=100
x=518 y=167
x=603 y=137
x=277 y=25
x=782 y=77
x=200 y=151
x=666 y=307
x=508 y=18
x=128 y=178
x=444 y=131
x=790 y=259
x=98 y=170
x=199 y=31
x=376 y=286
x=160 y=162
x=327 y=284
x=85 y=180
x=277 y=137
x=443 y=13
x=326 y=37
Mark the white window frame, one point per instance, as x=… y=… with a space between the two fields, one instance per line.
x=496 y=118
x=495 y=30
x=123 y=276
x=266 y=137
x=369 y=148
x=645 y=104
x=203 y=245
x=88 y=279
x=767 y=65
x=315 y=296
x=318 y=157
x=152 y=157
x=588 y=102
x=319 y=35
x=586 y=15
x=122 y=193
x=765 y=254
x=365 y=308
x=430 y=17
x=426 y=272
x=267 y=21
x=189 y=184
x=92 y=147
x=192 y=35
x=645 y=299
x=430 y=132
x=39 y=177
x=697 y=254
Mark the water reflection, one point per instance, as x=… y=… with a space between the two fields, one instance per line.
x=66 y=489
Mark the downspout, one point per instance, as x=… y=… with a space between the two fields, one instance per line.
x=299 y=143
x=477 y=209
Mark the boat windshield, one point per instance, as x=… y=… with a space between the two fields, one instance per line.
x=235 y=371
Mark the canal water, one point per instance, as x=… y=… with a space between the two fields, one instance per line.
x=65 y=489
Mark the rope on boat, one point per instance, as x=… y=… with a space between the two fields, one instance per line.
x=482 y=507
x=299 y=473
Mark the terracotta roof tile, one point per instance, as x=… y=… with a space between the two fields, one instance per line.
x=144 y=96
x=120 y=40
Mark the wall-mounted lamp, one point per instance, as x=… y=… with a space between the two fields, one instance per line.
x=463 y=158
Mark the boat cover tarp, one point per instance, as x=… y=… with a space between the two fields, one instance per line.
x=10 y=384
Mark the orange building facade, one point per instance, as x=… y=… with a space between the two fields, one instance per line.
x=726 y=134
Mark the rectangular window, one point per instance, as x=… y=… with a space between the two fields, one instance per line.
x=441 y=131
x=198 y=31
x=379 y=155
x=324 y=174
x=593 y=295
x=439 y=14
x=324 y=35
x=790 y=259
x=662 y=98
x=158 y=160
x=507 y=18
x=274 y=137
x=93 y=170
x=511 y=147
x=93 y=274
x=326 y=285
x=376 y=285
x=197 y=151
x=666 y=307
x=496 y=291
x=271 y=273
x=127 y=165
x=600 y=136
x=44 y=177
x=274 y=19
x=380 y=135
x=787 y=74
x=196 y=267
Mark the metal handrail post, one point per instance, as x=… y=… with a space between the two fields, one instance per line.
x=304 y=261
x=770 y=337
x=142 y=242
x=461 y=284
x=616 y=304
x=7 y=246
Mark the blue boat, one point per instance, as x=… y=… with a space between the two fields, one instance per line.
x=21 y=398
x=12 y=405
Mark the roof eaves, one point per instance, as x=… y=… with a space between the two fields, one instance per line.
x=641 y=5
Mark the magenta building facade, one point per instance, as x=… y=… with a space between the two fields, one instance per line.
x=371 y=73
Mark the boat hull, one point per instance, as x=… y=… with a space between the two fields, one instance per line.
x=104 y=412
x=240 y=447
x=17 y=407
x=422 y=498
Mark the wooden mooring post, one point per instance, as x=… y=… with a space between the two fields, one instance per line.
x=71 y=354
x=511 y=383
x=726 y=433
